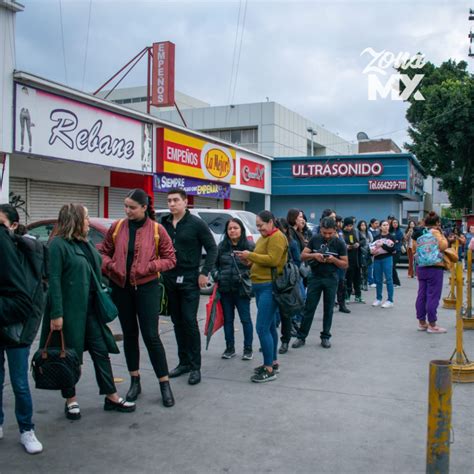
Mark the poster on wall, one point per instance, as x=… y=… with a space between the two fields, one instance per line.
x=53 y=126
x=193 y=157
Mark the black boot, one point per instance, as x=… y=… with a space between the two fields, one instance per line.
x=135 y=389
x=341 y=295
x=166 y=394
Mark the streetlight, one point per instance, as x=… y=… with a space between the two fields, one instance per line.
x=313 y=132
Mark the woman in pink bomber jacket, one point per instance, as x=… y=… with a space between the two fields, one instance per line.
x=135 y=251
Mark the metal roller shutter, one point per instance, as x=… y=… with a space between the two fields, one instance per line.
x=45 y=198
x=161 y=200
x=116 y=198
x=237 y=205
x=206 y=203
x=19 y=188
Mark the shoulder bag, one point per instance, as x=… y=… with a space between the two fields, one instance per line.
x=245 y=288
x=104 y=306
x=55 y=368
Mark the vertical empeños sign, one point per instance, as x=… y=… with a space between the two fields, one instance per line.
x=162 y=83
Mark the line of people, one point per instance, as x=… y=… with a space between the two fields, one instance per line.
x=142 y=258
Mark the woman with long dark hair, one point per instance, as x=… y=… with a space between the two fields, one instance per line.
x=364 y=253
x=382 y=249
x=71 y=306
x=16 y=307
x=398 y=239
x=270 y=252
x=231 y=273
x=135 y=251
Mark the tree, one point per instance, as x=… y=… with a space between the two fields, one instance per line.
x=442 y=127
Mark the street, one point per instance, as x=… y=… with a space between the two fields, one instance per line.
x=359 y=407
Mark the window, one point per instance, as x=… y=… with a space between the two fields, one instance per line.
x=249 y=219
x=95 y=236
x=215 y=221
x=42 y=232
x=236 y=136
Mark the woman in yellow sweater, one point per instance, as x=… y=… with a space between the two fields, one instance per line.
x=270 y=252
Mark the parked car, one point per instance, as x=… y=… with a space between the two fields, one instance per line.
x=44 y=230
x=216 y=219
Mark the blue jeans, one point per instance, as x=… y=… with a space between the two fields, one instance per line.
x=266 y=322
x=18 y=367
x=370 y=274
x=384 y=267
x=229 y=302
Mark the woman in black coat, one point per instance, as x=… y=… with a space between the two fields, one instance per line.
x=232 y=275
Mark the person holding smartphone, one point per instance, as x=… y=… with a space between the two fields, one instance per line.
x=326 y=253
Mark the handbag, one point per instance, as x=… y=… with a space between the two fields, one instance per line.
x=452 y=255
x=245 y=288
x=305 y=270
x=55 y=368
x=104 y=306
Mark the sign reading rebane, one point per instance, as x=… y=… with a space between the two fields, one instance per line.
x=53 y=126
x=162 y=83
x=335 y=169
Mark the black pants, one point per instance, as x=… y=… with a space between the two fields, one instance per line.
x=353 y=280
x=318 y=286
x=396 y=258
x=99 y=353
x=139 y=308
x=183 y=303
x=286 y=327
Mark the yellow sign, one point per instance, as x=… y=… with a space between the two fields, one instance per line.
x=186 y=155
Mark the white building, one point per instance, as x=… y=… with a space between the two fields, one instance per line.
x=265 y=127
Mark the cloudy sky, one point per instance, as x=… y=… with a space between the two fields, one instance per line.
x=306 y=55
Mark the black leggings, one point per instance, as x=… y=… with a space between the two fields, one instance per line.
x=140 y=306
x=99 y=353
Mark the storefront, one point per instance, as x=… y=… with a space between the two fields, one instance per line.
x=365 y=186
x=254 y=179
x=65 y=149
x=203 y=168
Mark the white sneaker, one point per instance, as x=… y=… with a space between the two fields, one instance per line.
x=377 y=303
x=1 y=432
x=387 y=304
x=30 y=442
x=373 y=285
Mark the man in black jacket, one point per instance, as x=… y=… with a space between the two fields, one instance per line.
x=189 y=235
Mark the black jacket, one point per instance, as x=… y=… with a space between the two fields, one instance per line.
x=15 y=303
x=350 y=238
x=189 y=237
x=227 y=264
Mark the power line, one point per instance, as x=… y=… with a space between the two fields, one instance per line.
x=62 y=40
x=234 y=53
x=87 y=45
x=240 y=51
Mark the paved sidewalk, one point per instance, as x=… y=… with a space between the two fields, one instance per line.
x=359 y=407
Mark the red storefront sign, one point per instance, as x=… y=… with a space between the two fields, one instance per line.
x=162 y=82
x=252 y=174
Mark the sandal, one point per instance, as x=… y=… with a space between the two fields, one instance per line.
x=122 y=405
x=72 y=411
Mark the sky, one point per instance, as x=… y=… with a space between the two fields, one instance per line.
x=305 y=55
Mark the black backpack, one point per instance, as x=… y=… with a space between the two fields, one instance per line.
x=286 y=290
x=33 y=257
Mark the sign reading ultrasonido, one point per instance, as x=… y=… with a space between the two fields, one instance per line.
x=342 y=168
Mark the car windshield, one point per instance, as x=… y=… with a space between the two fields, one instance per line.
x=249 y=219
x=215 y=220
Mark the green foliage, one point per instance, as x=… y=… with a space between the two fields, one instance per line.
x=442 y=127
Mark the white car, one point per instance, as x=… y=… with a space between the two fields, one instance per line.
x=216 y=219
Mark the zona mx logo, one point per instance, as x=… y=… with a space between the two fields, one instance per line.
x=377 y=68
